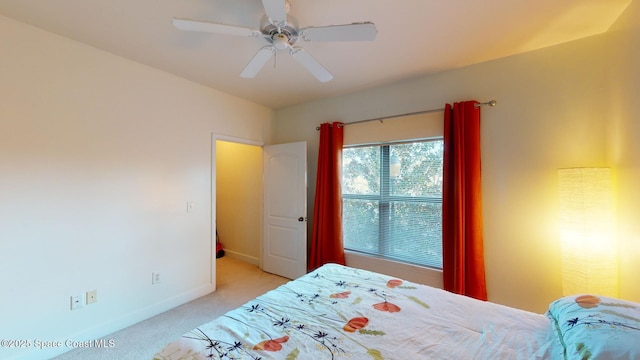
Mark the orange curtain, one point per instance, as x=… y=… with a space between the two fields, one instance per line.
x=326 y=238
x=462 y=242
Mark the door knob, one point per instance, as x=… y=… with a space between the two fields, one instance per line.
x=301 y=219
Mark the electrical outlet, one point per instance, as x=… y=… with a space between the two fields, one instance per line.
x=155 y=278
x=76 y=302
x=92 y=297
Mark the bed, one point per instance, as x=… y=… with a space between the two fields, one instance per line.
x=338 y=312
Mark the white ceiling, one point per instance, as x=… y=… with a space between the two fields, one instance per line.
x=415 y=37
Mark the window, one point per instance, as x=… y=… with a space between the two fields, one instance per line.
x=392 y=201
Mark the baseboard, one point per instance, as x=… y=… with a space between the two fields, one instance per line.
x=242 y=257
x=109 y=327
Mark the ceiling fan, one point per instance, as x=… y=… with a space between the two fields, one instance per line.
x=281 y=32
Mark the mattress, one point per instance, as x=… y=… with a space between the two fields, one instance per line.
x=338 y=312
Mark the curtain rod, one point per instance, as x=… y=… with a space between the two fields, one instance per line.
x=381 y=119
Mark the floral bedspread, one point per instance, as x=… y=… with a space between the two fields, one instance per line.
x=338 y=312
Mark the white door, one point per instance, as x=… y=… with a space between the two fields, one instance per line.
x=284 y=251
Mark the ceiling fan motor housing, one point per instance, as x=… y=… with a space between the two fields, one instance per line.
x=281 y=36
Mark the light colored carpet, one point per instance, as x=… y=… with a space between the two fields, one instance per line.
x=237 y=283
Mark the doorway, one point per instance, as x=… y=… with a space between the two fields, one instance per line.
x=259 y=203
x=238 y=198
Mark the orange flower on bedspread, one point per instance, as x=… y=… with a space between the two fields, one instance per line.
x=271 y=345
x=394 y=283
x=342 y=295
x=387 y=306
x=356 y=323
x=587 y=301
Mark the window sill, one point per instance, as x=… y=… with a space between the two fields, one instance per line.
x=413 y=273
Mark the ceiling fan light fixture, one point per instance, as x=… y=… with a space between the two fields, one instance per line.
x=280 y=41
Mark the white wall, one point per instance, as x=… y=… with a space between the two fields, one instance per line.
x=98 y=157
x=624 y=147
x=549 y=115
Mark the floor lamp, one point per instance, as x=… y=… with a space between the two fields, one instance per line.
x=589 y=246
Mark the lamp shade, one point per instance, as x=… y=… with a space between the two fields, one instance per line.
x=589 y=246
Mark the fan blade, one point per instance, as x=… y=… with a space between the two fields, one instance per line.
x=201 y=26
x=311 y=64
x=276 y=10
x=259 y=59
x=349 y=32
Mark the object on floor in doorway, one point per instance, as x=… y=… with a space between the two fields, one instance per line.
x=219 y=249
